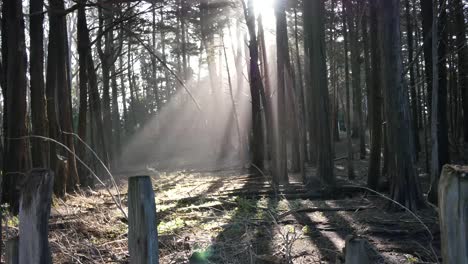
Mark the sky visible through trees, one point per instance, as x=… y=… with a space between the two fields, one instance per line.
x=310 y=98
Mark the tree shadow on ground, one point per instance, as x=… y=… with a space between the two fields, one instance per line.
x=329 y=230
x=242 y=239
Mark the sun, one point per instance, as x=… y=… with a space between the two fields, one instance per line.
x=261 y=5
x=265 y=8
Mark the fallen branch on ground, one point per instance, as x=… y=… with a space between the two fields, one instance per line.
x=324 y=209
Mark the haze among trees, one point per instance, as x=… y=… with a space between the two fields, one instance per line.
x=284 y=125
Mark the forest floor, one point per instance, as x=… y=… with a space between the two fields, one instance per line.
x=236 y=217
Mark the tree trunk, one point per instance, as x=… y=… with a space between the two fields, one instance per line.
x=124 y=99
x=280 y=173
x=235 y=113
x=293 y=107
x=358 y=124
x=116 y=123
x=270 y=150
x=301 y=117
x=38 y=103
x=315 y=29
x=462 y=49
x=412 y=83
x=183 y=29
x=405 y=187
x=426 y=12
x=14 y=57
x=367 y=63
x=133 y=100
x=163 y=51
x=154 y=74
x=83 y=80
x=93 y=94
x=59 y=81
x=105 y=54
x=256 y=88
x=351 y=175
x=439 y=130
x=375 y=103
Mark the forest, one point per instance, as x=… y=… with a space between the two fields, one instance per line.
x=234 y=131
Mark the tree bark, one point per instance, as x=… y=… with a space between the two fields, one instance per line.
x=301 y=99
x=270 y=149
x=124 y=97
x=38 y=103
x=282 y=55
x=315 y=29
x=375 y=103
x=83 y=80
x=93 y=93
x=462 y=62
x=105 y=54
x=14 y=57
x=412 y=83
x=439 y=130
x=256 y=88
x=367 y=63
x=405 y=187
x=60 y=90
x=349 y=142
x=116 y=122
x=426 y=13
x=358 y=124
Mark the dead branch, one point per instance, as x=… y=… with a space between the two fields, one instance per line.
x=324 y=209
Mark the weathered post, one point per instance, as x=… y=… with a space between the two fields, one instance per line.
x=453 y=213
x=356 y=251
x=142 y=229
x=36 y=197
x=11 y=251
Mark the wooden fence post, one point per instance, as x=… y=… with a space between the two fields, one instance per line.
x=36 y=196
x=356 y=251
x=142 y=229
x=11 y=251
x=453 y=213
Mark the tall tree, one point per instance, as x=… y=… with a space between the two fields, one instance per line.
x=349 y=142
x=367 y=63
x=301 y=116
x=412 y=82
x=462 y=62
x=83 y=84
x=314 y=30
x=106 y=52
x=59 y=83
x=14 y=94
x=358 y=122
x=439 y=124
x=426 y=14
x=375 y=103
x=282 y=55
x=256 y=87
x=270 y=149
x=405 y=187
x=36 y=69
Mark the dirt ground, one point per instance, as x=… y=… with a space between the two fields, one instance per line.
x=237 y=217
